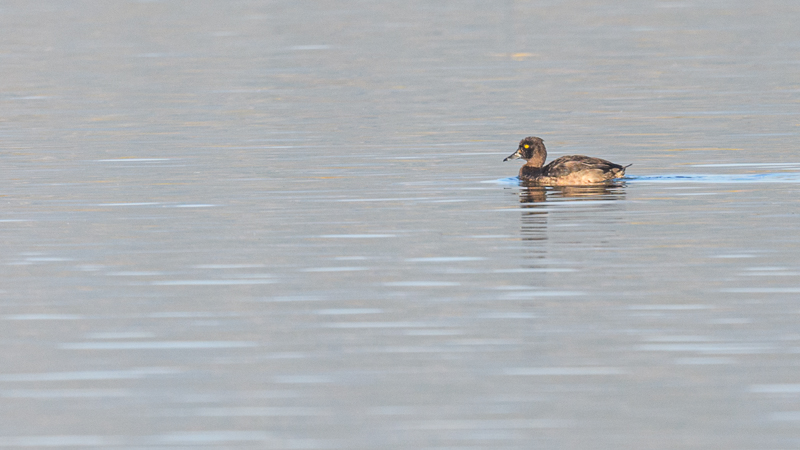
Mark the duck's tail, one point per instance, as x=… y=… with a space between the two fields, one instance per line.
x=618 y=172
x=624 y=168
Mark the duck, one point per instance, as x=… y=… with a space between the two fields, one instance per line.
x=572 y=170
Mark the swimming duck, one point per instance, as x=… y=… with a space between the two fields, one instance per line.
x=570 y=170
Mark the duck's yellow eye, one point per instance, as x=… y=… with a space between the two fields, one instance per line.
x=527 y=146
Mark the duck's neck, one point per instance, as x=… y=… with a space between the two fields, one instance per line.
x=527 y=172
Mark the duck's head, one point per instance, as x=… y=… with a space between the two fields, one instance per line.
x=529 y=148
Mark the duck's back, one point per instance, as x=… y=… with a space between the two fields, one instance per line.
x=575 y=170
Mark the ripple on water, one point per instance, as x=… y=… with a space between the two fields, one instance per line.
x=210 y=282
x=90 y=375
x=775 y=177
x=44 y=317
x=156 y=345
x=564 y=371
x=335 y=269
x=356 y=236
x=439 y=259
x=785 y=177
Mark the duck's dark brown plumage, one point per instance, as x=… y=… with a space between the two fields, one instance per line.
x=565 y=171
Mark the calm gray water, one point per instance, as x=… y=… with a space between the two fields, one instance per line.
x=287 y=224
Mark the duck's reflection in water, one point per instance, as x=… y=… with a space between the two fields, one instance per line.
x=538 y=201
x=531 y=193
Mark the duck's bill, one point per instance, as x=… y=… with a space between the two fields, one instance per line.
x=514 y=155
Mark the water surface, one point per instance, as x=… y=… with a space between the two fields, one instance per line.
x=288 y=225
